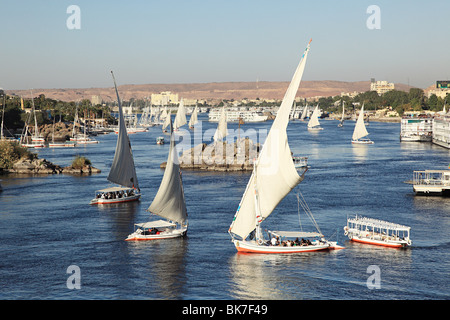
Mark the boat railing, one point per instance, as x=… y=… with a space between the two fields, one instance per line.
x=432 y=177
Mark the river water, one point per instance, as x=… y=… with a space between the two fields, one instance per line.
x=47 y=225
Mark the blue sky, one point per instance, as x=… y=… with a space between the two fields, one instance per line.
x=174 y=41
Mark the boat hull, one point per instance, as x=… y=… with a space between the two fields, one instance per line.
x=253 y=247
x=176 y=233
x=111 y=201
x=362 y=142
x=380 y=242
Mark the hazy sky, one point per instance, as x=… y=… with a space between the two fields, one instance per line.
x=183 y=41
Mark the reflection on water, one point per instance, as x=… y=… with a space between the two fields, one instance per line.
x=360 y=151
x=161 y=266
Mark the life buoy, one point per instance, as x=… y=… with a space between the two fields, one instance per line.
x=260 y=242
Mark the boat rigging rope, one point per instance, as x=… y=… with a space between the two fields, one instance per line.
x=305 y=207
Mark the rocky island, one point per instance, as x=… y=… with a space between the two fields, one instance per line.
x=17 y=159
x=220 y=156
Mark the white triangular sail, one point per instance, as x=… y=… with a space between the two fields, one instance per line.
x=314 y=120
x=360 y=128
x=221 y=131
x=304 y=112
x=194 y=118
x=274 y=174
x=122 y=170
x=180 y=119
x=169 y=201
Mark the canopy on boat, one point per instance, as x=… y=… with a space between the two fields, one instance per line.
x=114 y=189
x=156 y=224
x=296 y=234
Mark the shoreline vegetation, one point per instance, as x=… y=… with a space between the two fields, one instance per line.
x=15 y=159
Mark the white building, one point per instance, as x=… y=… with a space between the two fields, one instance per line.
x=164 y=98
x=381 y=87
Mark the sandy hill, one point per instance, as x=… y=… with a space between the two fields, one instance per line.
x=211 y=91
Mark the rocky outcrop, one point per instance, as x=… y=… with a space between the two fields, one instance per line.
x=42 y=166
x=220 y=156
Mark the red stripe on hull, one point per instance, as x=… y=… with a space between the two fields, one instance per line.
x=391 y=245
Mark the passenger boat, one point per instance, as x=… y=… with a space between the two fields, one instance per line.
x=169 y=203
x=115 y=195
x=431 y=182
x=123 y=171
x=360 y=130
x=273 y=178
x=377 y=232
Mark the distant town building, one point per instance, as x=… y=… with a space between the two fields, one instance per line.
x=96 y=100
x=164 y=98
x=381 y=87
x=441 y=90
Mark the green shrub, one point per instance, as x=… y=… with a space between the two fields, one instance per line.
x=11 y=152
x=80 y=162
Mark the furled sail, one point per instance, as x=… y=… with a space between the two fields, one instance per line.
x=274 y=175
x=360 y=129
x=221 y=131
x=122 y=170
x=314 y=120
x=180 y=119
x=169 y=201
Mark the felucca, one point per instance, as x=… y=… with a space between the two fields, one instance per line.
x=122 y=170
x=360 y=130
x=273 y=177
x=194 y=118
x=169 y=203
x=314 y=124
x=180 y=118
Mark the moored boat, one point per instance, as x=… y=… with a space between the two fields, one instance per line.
x=377 y=232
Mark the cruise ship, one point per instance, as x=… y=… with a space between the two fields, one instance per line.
x=441 y=129
x=418 y=129
x=234 y=115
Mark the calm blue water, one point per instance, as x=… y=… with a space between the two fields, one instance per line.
x=47 y=225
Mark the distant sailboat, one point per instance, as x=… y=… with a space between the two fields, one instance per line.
x=273 y=177
x=221 y=131
x=180 y=119
x=169 y=203
x=122 y=170
x=303 y=116
x=360 y=130
x=194 y=118
x=313 y=124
